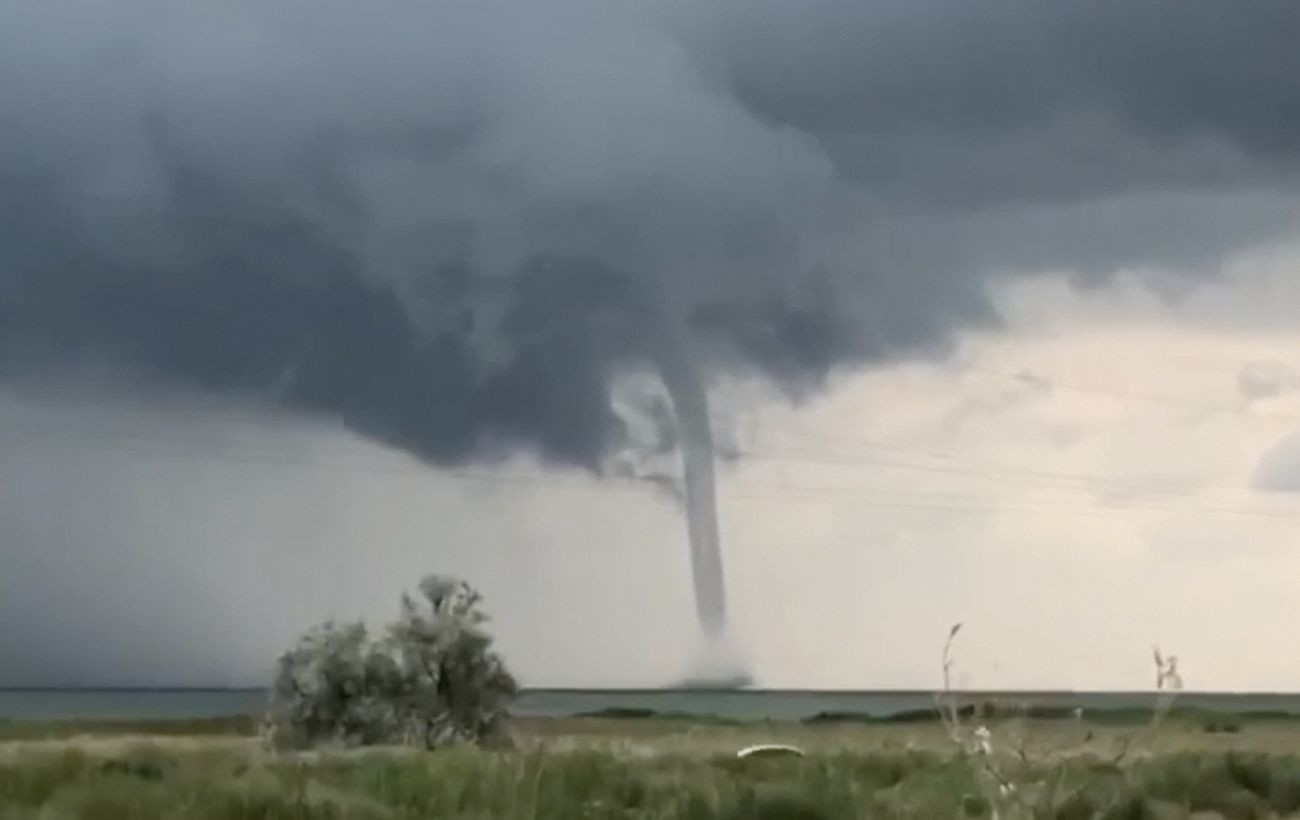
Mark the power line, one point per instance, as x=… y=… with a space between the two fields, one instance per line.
x=987 y=471
x=1168 y=401
x=982 y=468
x=869 y=497
x=978 y=504
x=1023 y=476
x=105 y=438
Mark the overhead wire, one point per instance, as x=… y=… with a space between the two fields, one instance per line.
x=866 y=496
x=1097 y=390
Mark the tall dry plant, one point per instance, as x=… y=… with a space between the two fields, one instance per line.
x=995 y=758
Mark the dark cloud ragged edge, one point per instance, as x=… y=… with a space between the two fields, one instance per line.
x=449 y=225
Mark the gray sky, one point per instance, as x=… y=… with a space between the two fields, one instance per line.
x=299 y=301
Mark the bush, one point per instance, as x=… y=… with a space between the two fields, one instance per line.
x=432 y=680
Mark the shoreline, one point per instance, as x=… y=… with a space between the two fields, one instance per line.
x=637 y=719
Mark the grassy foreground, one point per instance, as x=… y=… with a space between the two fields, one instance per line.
x=651 y=768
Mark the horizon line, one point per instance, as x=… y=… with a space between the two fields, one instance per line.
x=636 y=690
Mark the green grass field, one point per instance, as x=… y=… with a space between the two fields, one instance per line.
x=651 y=767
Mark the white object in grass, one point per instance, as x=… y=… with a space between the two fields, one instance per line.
x=770 y=750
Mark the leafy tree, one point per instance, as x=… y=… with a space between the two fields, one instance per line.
x=432 y=680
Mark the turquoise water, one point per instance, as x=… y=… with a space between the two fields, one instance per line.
x=736 y=704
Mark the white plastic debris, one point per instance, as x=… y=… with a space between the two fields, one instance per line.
x=770 y=750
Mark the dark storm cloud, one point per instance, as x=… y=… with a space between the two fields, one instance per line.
x=1127 y=91
x=449 y=224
